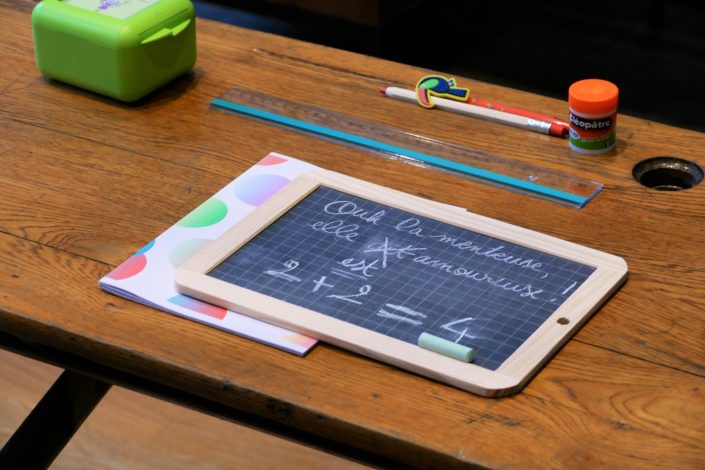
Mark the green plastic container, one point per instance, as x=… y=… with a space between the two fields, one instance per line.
x=120 y=48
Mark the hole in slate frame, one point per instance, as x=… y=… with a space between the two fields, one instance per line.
x=563 y=321
x=667 y=173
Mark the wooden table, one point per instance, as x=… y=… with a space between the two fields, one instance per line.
x=87 y=181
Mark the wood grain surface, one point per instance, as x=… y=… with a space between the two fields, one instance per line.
x=86 y=181
x=135 y=431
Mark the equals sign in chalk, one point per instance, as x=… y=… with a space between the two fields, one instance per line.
x=445 y=347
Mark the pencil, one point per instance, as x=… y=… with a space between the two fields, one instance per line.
x=560 y=129
x=515 y=120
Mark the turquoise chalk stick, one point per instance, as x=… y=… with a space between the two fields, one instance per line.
x=445 y=347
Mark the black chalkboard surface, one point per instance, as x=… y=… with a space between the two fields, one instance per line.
x=400 y=274
x=396 y=267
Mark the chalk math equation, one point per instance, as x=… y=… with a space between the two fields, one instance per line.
x=400 y=274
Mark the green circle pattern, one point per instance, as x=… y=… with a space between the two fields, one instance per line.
x=210 y=212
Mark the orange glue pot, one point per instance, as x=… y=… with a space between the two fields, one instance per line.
x=593 y=116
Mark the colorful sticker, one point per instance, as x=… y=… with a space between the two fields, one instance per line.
x=120 y=9
x=437 y=85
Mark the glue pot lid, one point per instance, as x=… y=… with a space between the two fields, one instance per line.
x=593 y=96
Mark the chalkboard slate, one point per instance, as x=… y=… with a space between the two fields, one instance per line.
x=371 y=269
x=400 y=274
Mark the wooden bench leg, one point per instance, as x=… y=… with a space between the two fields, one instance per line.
x=52 y=423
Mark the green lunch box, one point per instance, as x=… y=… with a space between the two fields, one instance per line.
x=120 y=48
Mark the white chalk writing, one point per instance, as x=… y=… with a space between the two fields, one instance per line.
x=385 y=314
x=321 y=283
x=350 y=208
x=524 y=290
x=495 y=253
x=386 y=249
x=283 y=272
x=338 y=228
x=363 y=267
x=406 y=310
x=364 y=290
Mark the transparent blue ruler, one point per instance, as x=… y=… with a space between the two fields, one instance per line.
x=411 y=148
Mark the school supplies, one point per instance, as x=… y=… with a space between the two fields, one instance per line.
x=123 y=49
x=593 y=116
x=147 y=276
x=558 y=127
x=377 y=271
x=438 y=86
x=516 y=120
x=411 y=148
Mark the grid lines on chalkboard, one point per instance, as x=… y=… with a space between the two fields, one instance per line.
x=328 y=254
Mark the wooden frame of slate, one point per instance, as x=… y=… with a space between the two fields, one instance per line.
x=375 y=267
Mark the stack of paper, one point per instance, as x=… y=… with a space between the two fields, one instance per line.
x=148 y=275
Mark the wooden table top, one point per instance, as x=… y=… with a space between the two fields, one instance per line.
x=87 y=181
